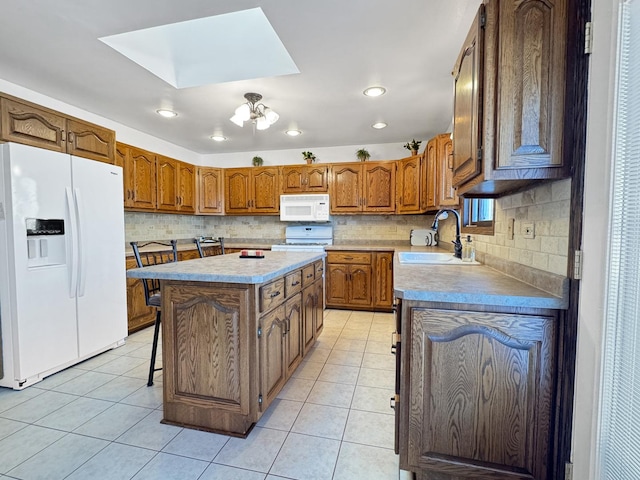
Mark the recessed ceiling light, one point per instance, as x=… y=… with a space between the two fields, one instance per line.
x=218 y=138
x=293 y=133
x=379 y=125
x=374 y=91
x=166 y=113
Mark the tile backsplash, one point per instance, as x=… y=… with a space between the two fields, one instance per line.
x=546 y=206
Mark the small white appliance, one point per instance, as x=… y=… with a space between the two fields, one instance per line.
x=62 y=262
x=424 y=237
x=306 y=238
x=311 y=207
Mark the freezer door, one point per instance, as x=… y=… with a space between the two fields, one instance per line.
x=102 y=301
x=38 y=306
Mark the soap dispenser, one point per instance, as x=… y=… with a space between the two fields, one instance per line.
x=468 y=250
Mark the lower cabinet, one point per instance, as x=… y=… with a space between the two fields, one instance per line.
x=139 y=316
x=477 y=391
x=359 y=280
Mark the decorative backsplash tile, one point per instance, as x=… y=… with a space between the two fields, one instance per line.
x=547 y=206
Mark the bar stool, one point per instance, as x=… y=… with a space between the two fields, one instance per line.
x=214 y=246
x=159 y=253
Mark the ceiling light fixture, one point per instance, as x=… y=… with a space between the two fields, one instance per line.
x=259 y=114
x=379 y=125
x=293 y=133
x=218 y=138
x=374 y=91
x=166 y=113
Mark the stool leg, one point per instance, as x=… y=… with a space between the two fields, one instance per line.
x=154 y=348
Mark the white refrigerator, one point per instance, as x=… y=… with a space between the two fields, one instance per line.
x=62 y=262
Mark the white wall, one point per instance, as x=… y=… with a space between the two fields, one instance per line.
x=596 y=221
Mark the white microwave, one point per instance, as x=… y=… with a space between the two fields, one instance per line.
x=312 y=207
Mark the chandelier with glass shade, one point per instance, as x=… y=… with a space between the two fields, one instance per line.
x=258 y=113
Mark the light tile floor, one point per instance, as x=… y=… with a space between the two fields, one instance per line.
x=99 y=420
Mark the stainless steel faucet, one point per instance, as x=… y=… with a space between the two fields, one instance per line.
x=457 y=244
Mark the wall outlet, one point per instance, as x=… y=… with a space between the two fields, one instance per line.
x=528 y=230
x=510 y=224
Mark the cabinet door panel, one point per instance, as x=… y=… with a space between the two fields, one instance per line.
x=143 y=170
x=447 y=195
x=295 y=345
x=266 y=190
x=273 y=364
x=360 y=279
x=167 y=183
x=431 y=180
x=408 y=185
x=309 y=305
x=237 y=190
x=210 y=190
x=481 y=389
x=186 y=187
x=292 y=179
x=90 y=141
x=467 y=128
x=337 y=284
x=379 y=185
x=346 y=188
x=23 y=123
x=316 y=179
x=383 y=297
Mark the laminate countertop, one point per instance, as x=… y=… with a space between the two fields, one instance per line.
x=470 y=284
x=229 y=268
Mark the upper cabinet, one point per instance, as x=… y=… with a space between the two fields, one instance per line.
x=24 y=122
x=210 y=191
x=139 y=168
x=252 y=190
x=409 y=185
x=176 y=185
x=508 y=127
x=363 y=187
x=446 y=195
x=305 y=178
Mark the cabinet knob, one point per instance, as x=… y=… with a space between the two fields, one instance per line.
x=70 y=137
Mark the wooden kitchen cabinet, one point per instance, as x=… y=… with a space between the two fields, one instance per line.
x=348 y=281
x=447 y=196
x=273 y=354
x=364 y=187
x=410 y=186
x=139 y=177
x=139 y=315
x=431 y=160
x=294 y=344
x=210 y=191
x=383 y=280
x=253 y=190
x=305 y=178
x=477 y=390
x=508 y=128
x=176 y=185
x=31 y=124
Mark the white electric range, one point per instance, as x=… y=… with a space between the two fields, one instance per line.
x=305 y=238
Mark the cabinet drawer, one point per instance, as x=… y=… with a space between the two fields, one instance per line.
x=319 y=268
x=308 y=275
x=271 y=294
x=293 y=283
x=349 y=257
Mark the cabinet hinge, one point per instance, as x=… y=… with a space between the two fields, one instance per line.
x=259 y=332
x=483 y=19
x=588 y=38
x=577 y=265
x=480 y=154
x=568 y=471
x=260 y=399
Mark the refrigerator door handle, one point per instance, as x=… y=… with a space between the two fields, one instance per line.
x=72 y=263
x=82 y=251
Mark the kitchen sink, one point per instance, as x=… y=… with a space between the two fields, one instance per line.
x=432 y=258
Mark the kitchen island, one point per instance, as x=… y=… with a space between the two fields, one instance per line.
x=233 y=331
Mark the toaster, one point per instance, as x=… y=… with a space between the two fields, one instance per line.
x=424 y=237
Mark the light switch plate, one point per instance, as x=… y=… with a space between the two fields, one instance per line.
x=510 y=223
x=528 y=230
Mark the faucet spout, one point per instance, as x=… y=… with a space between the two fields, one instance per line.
x=457 y=244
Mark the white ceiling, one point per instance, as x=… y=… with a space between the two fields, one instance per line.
x=339 y=46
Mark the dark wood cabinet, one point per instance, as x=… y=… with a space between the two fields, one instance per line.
x=294 y=344
x=305 y=178
x=139 y=167
x=176 y=185
x=477 y=391
x=274 y=361
x=30 y=124
x=139 y=315
x=383 y=280
x=509 y=127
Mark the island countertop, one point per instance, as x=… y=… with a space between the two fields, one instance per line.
x=229 y=268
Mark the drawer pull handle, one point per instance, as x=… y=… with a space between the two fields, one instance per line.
x=348 y=258
x=297 y=282
x=275 y=294
x=310 y=275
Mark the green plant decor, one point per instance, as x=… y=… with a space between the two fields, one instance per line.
x=257 y=161
x=413 y=145
x=309 y=157
x=363 y=155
